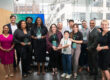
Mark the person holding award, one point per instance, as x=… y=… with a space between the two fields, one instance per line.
x=38 y=34
x=53 y=39
x=65 y=46
x=22 y=40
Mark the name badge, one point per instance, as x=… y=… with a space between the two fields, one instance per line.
x=54 y=43
x=74 y=45
x=38 y=36
x=64 y=49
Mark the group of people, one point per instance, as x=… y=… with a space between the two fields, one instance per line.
x=69 y=48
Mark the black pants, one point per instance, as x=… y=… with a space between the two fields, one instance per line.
x=93 y=61
x=53 y=63
x=18 y=52
x=83 y=60
x=25 y=59
x=14 y=63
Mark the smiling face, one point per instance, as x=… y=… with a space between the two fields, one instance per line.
x=71 y=23
x=53 y=28
x=5 y=29
x=92 y=24
x=60 y=26
x=105 y=25
x=29 y=20
x=23 y=25
x=13 y=19
x=84 y=24
x=66 y=35
x=75 y=28
x=39 y=21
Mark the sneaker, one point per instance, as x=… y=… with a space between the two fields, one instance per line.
x=63 y=75
x=68 y=76
x=75 y=75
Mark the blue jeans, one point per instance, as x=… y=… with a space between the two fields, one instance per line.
x=66 y=61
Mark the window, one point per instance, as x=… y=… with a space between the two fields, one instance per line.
x=108 y=3
x=58 y=9
x=108 y=16
x=98 y=3
x=96 y=16
x=58 y=20
x=79 y=16
x=61 y=6
x=62 y=17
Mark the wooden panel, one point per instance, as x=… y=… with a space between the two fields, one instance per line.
x=4 y=18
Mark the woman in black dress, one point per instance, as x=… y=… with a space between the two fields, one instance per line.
x=38 y=34
x=22 y=42
x=104 y=50
x=53 y=40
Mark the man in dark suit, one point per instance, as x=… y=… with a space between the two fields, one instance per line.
x=92 y=52
x=12 y=27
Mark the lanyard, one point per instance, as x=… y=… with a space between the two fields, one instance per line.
x=39 y=30
x=74 y=37
x=65 y=42
x=54 y=36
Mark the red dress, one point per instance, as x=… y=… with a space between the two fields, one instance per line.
x=6 y=43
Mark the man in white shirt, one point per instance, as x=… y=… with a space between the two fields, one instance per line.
x=69 y=28
x=12 y=25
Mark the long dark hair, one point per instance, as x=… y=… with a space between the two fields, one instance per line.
x=4 y=27
x=35 y=24
x=50 y=30
x=72 y=33
x=19 y=24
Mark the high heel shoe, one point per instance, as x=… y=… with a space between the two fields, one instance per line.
x=6 y=76
x=11 y=75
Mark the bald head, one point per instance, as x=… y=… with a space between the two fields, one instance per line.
x=60 y=26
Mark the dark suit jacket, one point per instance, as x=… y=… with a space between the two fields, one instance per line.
x=10 y=30
x=93 y=39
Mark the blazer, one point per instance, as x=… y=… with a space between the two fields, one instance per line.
x=93 y=39
x=10 y=30
x=49 y=45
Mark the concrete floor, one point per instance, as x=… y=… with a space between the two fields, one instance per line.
x=48 y=76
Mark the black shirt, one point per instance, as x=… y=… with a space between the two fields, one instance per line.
x=77 y=36
x=19 y=36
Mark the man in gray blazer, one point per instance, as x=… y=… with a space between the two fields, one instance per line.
x=92 y=52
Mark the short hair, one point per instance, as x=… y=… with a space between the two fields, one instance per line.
x=71 y=20
x=66 y=32
x=84 y=21
x=28 y=18
x=92 y=20
x=12 y=16
x=106 y=21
